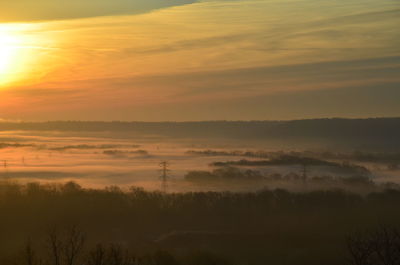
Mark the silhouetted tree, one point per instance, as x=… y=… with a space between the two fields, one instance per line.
x=380 y=247
x=97 y=256
x=117 y=256
x=30 y=257
x=65 y=248
x=73 y=245
x=54 y=246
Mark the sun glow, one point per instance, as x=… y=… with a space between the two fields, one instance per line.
x=17 y=52
x=9 y=46
x=8 y=51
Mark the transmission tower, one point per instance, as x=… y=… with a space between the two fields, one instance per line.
x=5 y=166
x=164 y=176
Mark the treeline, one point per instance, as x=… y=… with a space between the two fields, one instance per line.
x=68 y=247
x=66 y=147
x=289 y=160
x=227 y=173
x=380 y=246
x=379 y=133
x=266 y=227
x=123 y=153
x=283 y=160
x=87 y=146
x=389 y=158
x=235 y=177
x=15 y=145
x=255 y=154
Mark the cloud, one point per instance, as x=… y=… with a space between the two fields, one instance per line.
x=219 y=54
x=187 y=44
x=39 y=10
x=308 y=85
x=362 y=17
x=269 y=80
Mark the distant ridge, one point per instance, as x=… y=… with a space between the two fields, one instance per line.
x=374 y=132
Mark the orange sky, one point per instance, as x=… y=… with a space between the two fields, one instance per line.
x=205 y=60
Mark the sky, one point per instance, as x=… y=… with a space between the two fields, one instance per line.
x=180 y=60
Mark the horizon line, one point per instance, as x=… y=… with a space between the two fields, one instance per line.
x=196 y=121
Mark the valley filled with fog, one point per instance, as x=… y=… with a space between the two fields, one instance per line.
x=297 y=192
x=101 y=159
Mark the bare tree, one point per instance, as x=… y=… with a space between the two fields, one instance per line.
x=29 y=256
x=117 y=256
x=97 y=256
x=65 y=248
x=73 y=245
x=360 y=249
x=55 y=247
x=380 y=247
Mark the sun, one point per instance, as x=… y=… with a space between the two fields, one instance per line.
x=10 y=44
x=17 y=52
x=8 y=51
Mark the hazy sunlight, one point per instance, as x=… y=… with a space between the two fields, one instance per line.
x=16 y=51
x=8 y=52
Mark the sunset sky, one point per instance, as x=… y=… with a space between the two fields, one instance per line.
x=178 y=60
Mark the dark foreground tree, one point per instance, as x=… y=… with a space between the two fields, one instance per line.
x=30 y=256
x=379 y=247
x=64 y=248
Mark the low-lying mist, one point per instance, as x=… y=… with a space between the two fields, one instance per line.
x=100 y=159
x=225 y=200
